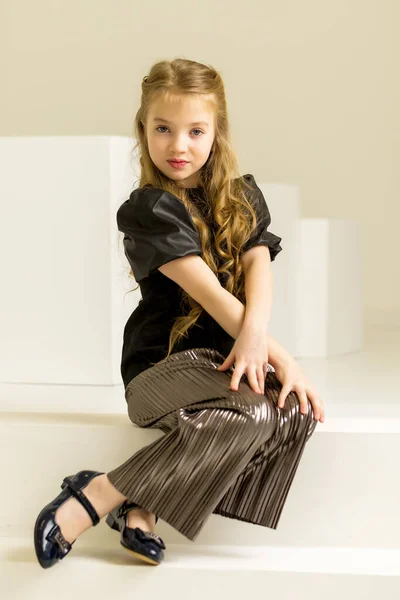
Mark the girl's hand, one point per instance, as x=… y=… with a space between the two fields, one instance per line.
x=250 y=354
x=292 y=379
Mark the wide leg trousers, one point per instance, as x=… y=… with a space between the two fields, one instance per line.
x=231 y=453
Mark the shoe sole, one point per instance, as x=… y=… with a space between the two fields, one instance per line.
x=141 y=556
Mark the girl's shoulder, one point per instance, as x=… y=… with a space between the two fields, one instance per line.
x=249 y=178
x=150 y=207
x=144 y=200
x=149 y=193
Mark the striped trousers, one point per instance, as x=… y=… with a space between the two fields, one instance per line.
x=231 y=453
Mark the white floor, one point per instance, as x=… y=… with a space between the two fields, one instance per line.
x=366 y=377
x=339 y=532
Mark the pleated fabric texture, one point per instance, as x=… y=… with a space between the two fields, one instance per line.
x=232 y=453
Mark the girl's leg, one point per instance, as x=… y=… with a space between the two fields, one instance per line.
x=182 y=475
x=259 y=493
x=73 y=518
x=214 y=438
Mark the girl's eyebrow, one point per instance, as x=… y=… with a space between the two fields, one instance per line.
x=169 y=122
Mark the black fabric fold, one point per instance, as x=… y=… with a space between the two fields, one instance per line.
x=261 y=235
x=157 y=229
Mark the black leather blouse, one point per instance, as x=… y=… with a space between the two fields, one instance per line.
x=157 y=229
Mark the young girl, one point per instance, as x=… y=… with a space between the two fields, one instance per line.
x=196 y=237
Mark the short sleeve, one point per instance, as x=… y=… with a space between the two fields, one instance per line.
x=261 y=235
x=158 y=228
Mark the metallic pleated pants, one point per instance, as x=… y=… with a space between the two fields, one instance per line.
x=231 y=453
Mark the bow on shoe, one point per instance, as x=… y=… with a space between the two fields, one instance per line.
x=143 y=535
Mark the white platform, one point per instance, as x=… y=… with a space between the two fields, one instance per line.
x=347 y=472
x=202 y=572
x=339 y=531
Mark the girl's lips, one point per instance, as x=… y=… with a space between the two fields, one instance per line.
x=177 y=165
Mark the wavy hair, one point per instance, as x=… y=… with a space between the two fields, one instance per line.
x=223 y=185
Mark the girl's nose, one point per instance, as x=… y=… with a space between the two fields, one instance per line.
x=179 y=146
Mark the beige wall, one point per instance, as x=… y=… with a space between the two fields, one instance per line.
x=312 y=85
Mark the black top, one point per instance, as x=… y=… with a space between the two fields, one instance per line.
x=158 y=229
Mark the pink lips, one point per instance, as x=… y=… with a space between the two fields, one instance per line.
x=177 y=164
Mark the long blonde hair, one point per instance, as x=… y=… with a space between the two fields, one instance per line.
x=220 y=178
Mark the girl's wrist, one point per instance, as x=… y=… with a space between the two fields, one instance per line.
x=277 y=355
x=252 y=323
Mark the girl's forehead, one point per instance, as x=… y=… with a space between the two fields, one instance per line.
x=183 y=102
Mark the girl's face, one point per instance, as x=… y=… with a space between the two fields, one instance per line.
x=180 y=126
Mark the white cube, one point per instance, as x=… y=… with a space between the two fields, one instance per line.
x=63 y=276
x=329 y=288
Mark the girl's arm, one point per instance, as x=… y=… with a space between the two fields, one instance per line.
x=229 y=312
x=259 y=285
x=197 y=279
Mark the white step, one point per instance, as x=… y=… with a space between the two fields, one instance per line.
x=195 y=571
x=345 y=492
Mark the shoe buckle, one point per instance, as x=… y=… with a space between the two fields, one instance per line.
x=149 y=535
x=156 y=538
x=62 y=543
x=122 y=511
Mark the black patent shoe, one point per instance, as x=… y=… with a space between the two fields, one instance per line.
x=50 y=544
x=145 y=545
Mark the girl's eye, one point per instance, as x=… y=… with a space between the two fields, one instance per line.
x=165 y=127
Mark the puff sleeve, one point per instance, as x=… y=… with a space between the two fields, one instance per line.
x=261 y=235
x=158 y=228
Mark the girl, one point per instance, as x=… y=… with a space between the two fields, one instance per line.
x=196 y=237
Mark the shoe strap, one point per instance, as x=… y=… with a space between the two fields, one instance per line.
x=127 y=506
x=77 y=492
